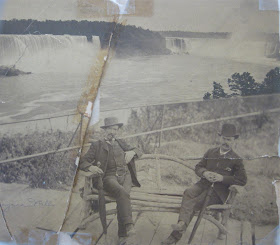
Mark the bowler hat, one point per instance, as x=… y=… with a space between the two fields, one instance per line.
x=111 y=121
x=229 y=130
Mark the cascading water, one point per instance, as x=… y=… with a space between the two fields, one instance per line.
x=235 y=47
x=177 y=45
x=40 y=53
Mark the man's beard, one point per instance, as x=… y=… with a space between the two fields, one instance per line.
x=110 y=136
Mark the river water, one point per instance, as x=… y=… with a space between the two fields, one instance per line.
x=60 y=66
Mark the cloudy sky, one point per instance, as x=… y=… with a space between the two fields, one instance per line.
x=185 y=15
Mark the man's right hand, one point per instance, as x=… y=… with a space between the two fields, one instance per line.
x=95 y=170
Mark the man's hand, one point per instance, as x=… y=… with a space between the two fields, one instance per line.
x=95 y=170
x=213 y=177
x=129 y=155
x=218 y=177
x=209 y=176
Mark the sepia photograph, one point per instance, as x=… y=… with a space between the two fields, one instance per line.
x=131 y=122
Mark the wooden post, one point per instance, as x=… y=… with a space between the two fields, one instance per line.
x=253 y=234
x=81 y=129
x=226 y=213
x=245 y=233
x=160 y=136
x=158 y=171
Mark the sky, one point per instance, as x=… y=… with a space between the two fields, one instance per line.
x=184 y=15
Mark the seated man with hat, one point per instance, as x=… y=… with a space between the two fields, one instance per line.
x=114 y=160
x=221 y=166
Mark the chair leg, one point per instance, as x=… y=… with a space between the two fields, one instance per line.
x=85 y=213
x=221 y=236
x=217 y=215
x=225 y=216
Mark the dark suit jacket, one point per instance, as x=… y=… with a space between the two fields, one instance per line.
x=98 y=152
x=230 y=166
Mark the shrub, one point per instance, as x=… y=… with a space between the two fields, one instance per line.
x=244 y=85
x=218 y=91
x=271 y=83
x=49 y=171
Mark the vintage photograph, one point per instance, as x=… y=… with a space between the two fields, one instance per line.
x=139 y=122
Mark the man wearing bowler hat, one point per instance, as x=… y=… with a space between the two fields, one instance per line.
x=221 y=166
x=114 y=160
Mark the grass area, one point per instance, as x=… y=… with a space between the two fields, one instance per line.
x=55 y=171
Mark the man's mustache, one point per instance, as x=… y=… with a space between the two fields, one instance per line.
x=225 y=145
x=110 y=135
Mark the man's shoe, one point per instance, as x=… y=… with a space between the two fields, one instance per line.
x=82 y=226
x=122 y=240
x=178 y=227
x=131 y=240
x=169 y=241
x=130 y=230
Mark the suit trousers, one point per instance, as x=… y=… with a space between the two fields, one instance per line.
x=120 y=190
x=193 y=200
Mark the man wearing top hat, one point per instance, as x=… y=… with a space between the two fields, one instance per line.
x=114 y=160
x=221 y=166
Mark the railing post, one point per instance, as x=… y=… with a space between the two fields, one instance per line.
x=158 y=171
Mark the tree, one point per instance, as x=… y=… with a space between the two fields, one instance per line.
x=207 y=96
x=218 y=91
x=271 y=83
x=243 y=85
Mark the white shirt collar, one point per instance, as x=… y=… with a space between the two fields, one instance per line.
x=110 y=142
x=224 y=153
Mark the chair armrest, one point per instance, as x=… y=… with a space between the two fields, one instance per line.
x=236 y=188
x=233 y=188
x=86 y=174
x=95 y=197
x=95 y=191
x=219 y=207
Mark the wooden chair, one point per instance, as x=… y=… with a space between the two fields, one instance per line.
x=144 y=200
x=224 y=211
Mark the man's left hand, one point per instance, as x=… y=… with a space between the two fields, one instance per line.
x=129 y=155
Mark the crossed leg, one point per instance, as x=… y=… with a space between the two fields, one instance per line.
x=193 y=200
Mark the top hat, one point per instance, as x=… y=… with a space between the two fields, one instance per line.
x=229 y=130
x=111 y=121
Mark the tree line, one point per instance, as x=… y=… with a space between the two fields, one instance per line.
x=245 y=85
x=190 y=34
